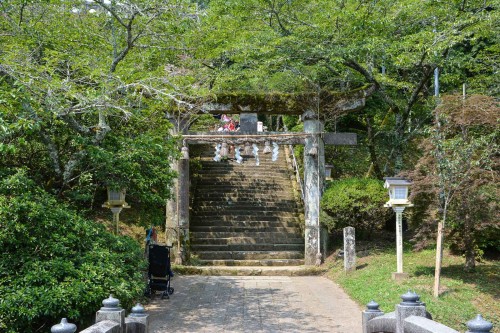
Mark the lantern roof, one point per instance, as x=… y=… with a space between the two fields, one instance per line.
x=396 y=181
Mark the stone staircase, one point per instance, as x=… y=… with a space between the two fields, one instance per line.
x=245 y=215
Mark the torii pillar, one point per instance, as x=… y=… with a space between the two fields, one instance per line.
x=177 y=208
x=314 y=165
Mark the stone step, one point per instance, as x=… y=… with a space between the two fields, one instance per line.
x=242 y=213
x=249 y=205
x=243 y=229
x=264 y=159
x=252 y=234
x=202 y=209
x=248 y=201
x=225 y=174
x=253 y=224
x=196 y=239
x=245 y=168
x=210 y=194
x=263 y=262
x=264 y=165
x=251 y=270
x=245 y=185
x=244 y=219
x=248 y=247
x=249 y=255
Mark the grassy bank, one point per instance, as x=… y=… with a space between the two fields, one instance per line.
x=463 y=295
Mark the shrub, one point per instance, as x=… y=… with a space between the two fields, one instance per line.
x=355 y=202
x=54 y=263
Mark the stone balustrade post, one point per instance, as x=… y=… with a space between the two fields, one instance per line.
x=138 y=320
x=410 y=306
x=63 y=327
x=372 y=311
x=111 y=311
x=479 y=325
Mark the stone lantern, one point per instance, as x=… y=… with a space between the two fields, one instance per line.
x=398 y=201
x=328 y=171
x=398 y=191
x=116 y=202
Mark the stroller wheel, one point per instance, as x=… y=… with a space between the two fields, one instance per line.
x=164 y=294
x=170 y=290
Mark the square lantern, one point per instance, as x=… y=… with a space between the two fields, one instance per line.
x=398 y=191
x=116 y=198
x=328 y=171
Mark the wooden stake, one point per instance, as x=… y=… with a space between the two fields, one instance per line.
x=439 y=259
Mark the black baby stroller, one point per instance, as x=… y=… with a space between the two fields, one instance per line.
x=159 y=272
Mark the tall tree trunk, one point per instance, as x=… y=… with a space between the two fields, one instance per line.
x=470 y=252
x=371 y=147
x=398 y=144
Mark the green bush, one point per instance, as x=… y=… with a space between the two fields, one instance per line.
x=355 y=202
x=54 y=263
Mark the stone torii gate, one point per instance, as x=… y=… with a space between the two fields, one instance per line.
x=314 y=163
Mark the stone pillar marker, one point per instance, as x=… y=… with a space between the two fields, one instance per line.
x=248 y=122
x=349 y=249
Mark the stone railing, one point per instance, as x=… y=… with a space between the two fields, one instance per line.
x=411 y=317
x=296 y=171
x=111 y=319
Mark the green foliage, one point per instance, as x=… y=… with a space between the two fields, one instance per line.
x=355 y=202
x=54 y=263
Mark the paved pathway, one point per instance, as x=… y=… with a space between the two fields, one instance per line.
x=255 y=304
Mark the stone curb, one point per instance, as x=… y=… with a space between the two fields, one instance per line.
x=250 y=271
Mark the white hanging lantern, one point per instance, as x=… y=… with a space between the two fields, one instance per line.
x=274 y=158
x=256 y=154
x=267 y=147
x=217 y=153
x=224 y=151
x=237 y=155
x=248 y=149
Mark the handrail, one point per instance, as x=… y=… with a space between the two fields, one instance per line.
x=297 y=173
